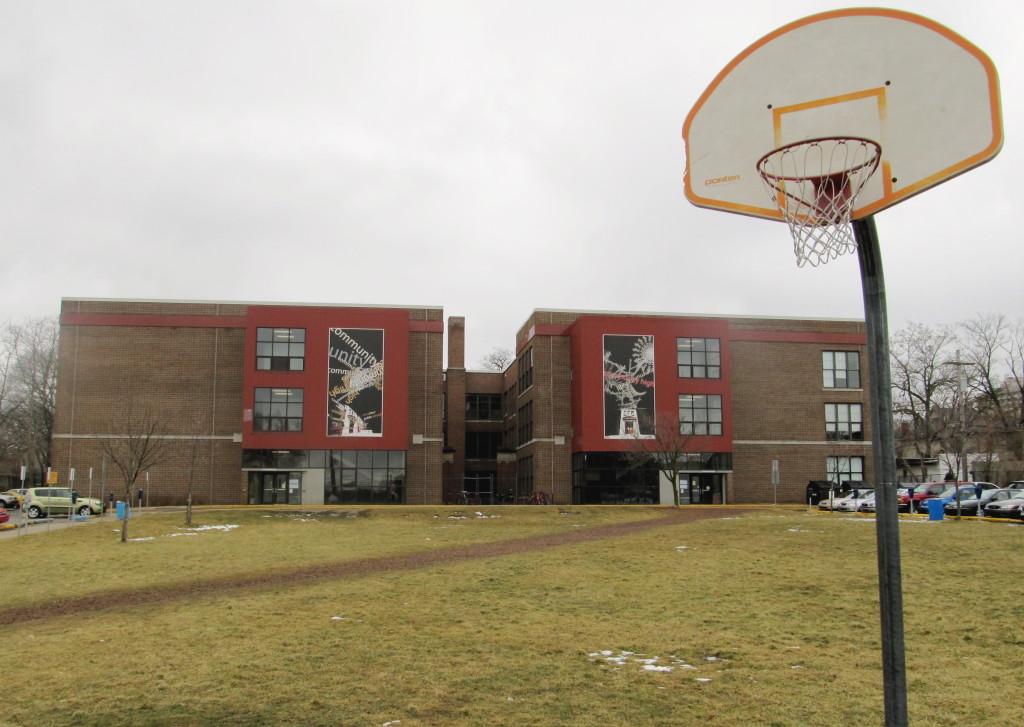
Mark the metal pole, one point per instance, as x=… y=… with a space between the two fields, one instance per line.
x=890 y=579
x=963 y=429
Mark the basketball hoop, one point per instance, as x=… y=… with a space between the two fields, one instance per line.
x=815 y=184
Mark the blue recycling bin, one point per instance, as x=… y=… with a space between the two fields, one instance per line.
x=122 y=510
x=936 y=509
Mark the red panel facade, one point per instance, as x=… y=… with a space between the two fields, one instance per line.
x=317 y=321
x=586 y=335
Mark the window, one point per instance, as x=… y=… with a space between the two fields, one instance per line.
x=699 y=358
x=277 y=410
x=482 y=445
x=525 y=371
x=524 y=476
x=483 y=406
x=525 y=420
x=844 y=421
x=700 y=414
x=844 y=469
x=840 y=369
x=364 y=476
x=280 y=349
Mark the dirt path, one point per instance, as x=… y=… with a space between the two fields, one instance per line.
x=82 y=605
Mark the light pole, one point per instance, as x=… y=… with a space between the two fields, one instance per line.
x=961 y=393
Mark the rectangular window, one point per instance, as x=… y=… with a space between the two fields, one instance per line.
x=482 y=445
x=840 y=369
x=844 y=469
x=364 y=476
x=524 y=476
x=699 y=358
x=483 y=406
x=277 y=410
x=844 y=421
x=525 y=421
x=525 y=371
x=700 y=414
x=280 y=349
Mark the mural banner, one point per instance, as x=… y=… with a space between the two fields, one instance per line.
x=355 y=382
x=628 y=387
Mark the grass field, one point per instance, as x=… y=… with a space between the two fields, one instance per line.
x=764 y=618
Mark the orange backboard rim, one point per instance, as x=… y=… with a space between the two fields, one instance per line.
x=890 y=197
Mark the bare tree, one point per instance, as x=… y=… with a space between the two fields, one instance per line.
x=498 y=359
x=668 y=450
x=923 y=388
x=195 y=442
x=134 y=446
x=995 y=350
x=28 y=390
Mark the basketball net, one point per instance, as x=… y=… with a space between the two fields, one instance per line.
x=815 y=184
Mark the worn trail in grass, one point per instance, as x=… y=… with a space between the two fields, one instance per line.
x=352 y=568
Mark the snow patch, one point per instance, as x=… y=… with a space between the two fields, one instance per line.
x=647 y=663
x=141 y=540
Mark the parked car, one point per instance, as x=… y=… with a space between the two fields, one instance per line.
x=934 y=489
x=853 y=502
x=40 y=501
x=868 y=504
x=4 y=517
x=1016 y=485
x=964 y=490
x=969 y=506
x=838 y=498
x=1010 y=507
x=12 y=499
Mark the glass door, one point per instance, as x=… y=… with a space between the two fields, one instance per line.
x=275 y=488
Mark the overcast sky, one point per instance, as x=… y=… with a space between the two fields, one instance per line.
x=490 y=158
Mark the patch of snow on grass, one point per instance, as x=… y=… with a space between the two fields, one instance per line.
x=647 y=663
x=702 y=680
x=205 y=528
x=141 y=540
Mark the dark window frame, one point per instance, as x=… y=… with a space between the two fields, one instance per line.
x=525 y=370
x=267 y=415
x=277 y=352
x=524 y=420
x=838 y=428
x=836 y=367
x=698 y=415
x=698 y=358
x=483 y=407
x=837 y=473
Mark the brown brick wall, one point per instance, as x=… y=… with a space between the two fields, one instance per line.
x=778 y=412
x=188 y=379
x=423 y=461
x=552 y=417
x=215 y=476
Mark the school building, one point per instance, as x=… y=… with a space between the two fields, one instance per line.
x=268 y=403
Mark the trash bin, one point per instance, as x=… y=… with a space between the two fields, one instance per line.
x=122 y=510
x=936 y=509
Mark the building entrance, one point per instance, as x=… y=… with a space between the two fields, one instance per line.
x=478 y=489
x=275 y=488
x=704 y=488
